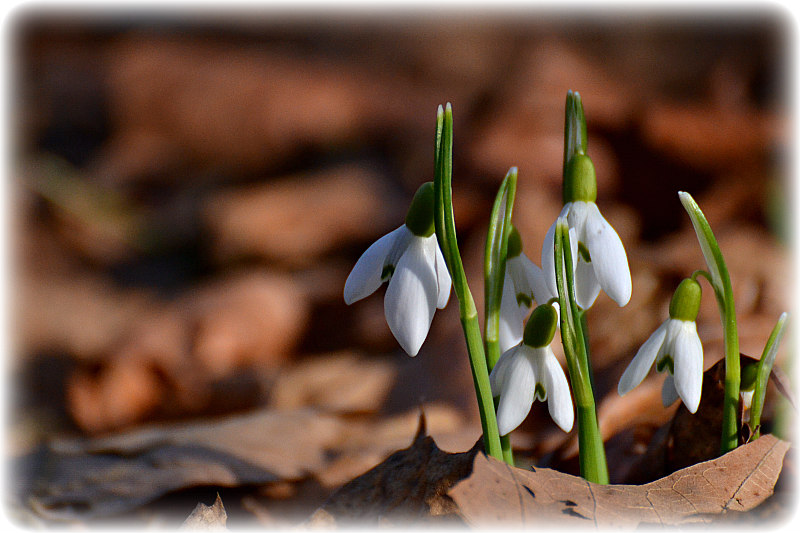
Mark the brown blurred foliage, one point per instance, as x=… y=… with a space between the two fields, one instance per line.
x=190 y=191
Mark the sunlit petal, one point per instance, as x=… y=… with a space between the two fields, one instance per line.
x=642 y=361
x=608 y=256
x=586 y=285
x=668 y=392
x=412 y=296
x=365 y=278
x=516 y=396
x=442 y=276
x=512 y=316
x=548 y=254
x=559 y=401
x=687 y=353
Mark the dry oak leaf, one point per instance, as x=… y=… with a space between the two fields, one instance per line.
x=207 y=517
x=496 y=493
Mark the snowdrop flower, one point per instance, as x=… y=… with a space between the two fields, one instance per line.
x=408 y=258
x=676 y=347
x=530 y=371
x=524 y=283
x=602 y=262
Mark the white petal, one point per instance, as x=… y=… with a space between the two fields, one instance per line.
x=497 y=377
x=559 y=401
x=512 y=316
x=586 y=285
x=412 y=295
x=687 y=352
x=538 y=284
x=516 y=396
x=548 y=253
x=517 y=270
x=668 y=392
x=365 y=278
x=608 y=256
x=442 y=276
x=642 y=361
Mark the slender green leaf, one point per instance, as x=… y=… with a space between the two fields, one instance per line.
x=444 y=222
x=764 y=370
x=494 y=263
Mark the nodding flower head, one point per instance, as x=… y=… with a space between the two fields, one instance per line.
x=410 y=260
x=675 y=347
x=530 y=371
x=602 y=262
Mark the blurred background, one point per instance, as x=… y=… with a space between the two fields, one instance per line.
x=189 y=191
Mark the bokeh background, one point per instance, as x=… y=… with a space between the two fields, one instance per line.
x=189 y=190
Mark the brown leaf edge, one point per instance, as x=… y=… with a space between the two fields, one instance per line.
x=496 y=493
x=410 y=486
x=207 y=517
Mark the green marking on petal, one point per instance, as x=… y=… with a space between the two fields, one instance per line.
x=524 y=299
x=387 y=272
x=540 y=393
x=584 y=252
x=665 y=362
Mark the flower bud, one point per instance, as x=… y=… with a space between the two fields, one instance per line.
x=580 y=183
x=419 y=218
x=541 y=326
x=685 y=302
x=514 y=243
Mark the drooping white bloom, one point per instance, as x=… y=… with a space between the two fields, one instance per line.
x=608 y=266
x=419 y=283
x=530 y=371
x=523 y=284
x=674 y=346
x=518 y=295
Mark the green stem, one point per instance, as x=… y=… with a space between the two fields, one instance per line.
x=723 y=291
x=494 y=264
x=444 y=222
x=592 y=455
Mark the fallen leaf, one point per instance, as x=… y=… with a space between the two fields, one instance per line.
x=339 y=382
x=496 y=493
x=89 y=478
x=410 y=485
x=207 y=517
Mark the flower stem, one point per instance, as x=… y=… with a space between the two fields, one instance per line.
x=723 y=291
x=592 y=456
x=444 y=222
x=494 y=270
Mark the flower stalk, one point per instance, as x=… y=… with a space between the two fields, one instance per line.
x=494 y=269
x=592 y=456
x=444 y=222
x=723 y=291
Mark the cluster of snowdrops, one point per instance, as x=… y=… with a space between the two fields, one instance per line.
x=511 y=359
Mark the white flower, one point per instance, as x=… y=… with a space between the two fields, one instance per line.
x=419 y=283
x=523 y=284
x=608 y=268
x=528 y=371
x=674 y=346
x=525 y=373
x=523 y=281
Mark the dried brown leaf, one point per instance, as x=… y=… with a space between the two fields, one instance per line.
x=207 y=517
x=410 y=485
x=738 y=481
